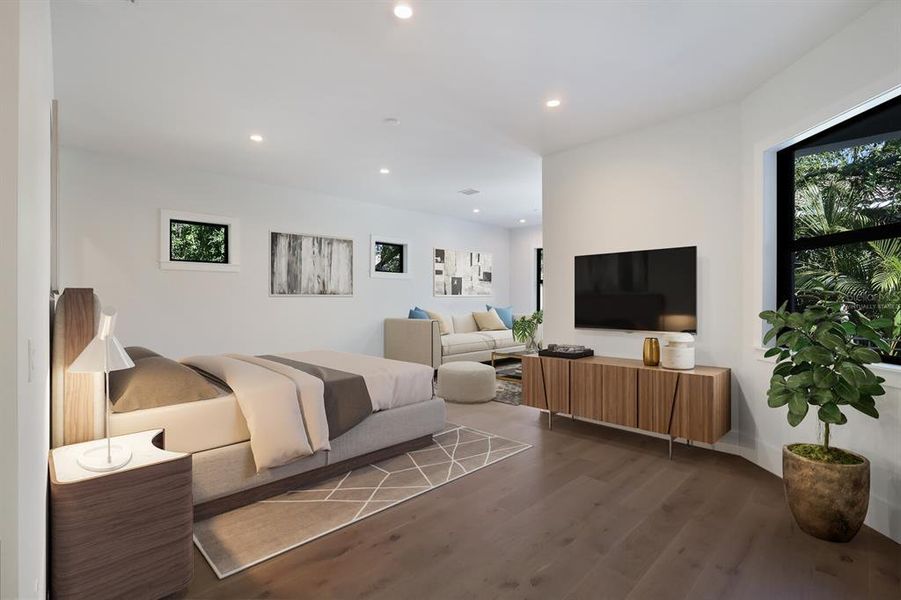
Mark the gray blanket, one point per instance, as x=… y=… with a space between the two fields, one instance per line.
x=347 y=401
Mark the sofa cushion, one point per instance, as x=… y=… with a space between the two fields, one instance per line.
x=460 y=343
x=465 y=323
x=417 y=313
x=501 y=339
x=488 y=321
x=445 y=326
x=504 y=312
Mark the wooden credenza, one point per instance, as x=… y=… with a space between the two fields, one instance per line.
x=693 y=404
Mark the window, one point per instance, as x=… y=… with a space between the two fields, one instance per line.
x=390 y=258
x=191 y=241
x=539 y=278
x=839 y=216
x=196 y=242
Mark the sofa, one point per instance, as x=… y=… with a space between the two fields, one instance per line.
x=420 y=340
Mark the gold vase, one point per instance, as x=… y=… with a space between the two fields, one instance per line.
x=651 y=352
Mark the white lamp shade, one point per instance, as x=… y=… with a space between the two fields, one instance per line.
x=93 y=358
x=104 y=352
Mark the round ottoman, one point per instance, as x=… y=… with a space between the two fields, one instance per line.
x=466 y=381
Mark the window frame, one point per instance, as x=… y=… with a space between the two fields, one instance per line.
x=869 y=125
x=205 y=224
x=232 y=242
x=373 y=257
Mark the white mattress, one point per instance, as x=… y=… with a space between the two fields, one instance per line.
x=208 y=424
x=190 y=427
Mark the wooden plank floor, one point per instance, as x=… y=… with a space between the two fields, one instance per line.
x=589 y=512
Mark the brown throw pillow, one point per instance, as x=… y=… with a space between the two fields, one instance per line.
x=157 y=381
x=139 y=352
x=489 y=321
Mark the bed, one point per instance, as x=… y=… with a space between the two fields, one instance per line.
x=275 y=422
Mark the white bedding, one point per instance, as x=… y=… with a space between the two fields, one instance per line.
x=190 y=426
x=284 y=408
x=391 y=383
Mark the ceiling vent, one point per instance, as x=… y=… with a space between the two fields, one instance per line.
x=469 y=192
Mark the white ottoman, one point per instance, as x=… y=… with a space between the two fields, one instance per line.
x=466 y=381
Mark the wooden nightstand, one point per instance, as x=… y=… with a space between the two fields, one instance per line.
x=123 y=534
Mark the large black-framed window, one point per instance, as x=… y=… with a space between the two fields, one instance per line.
x=539 y=278
x=839 y=216
x=196 y=241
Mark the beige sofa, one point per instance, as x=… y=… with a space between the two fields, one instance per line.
x=419 y=341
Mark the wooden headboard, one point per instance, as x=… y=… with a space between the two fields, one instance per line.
x=77 y=399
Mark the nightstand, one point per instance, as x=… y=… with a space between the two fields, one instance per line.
x=125 y=533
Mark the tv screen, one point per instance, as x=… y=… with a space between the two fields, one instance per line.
x=648 y=290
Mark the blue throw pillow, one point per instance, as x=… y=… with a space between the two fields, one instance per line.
x=504 y=312
x=417 y=313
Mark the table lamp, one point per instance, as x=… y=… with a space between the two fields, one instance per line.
x=104 y=354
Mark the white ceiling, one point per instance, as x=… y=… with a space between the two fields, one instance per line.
x=187 y=82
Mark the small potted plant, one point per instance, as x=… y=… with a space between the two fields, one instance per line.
x=525 y=330
x=822 y=355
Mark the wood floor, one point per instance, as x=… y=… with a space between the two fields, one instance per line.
x=589 y=512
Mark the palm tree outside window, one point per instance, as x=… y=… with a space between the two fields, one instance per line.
x=839 y=218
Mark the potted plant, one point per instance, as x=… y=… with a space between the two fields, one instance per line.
x=526 y=328
x=822 y=366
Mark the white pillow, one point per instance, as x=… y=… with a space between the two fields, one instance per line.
x=464 y=323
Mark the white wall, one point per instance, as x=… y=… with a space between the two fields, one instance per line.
x=706 y=179
x=9 y=161
x=26 y=72
x=672 y=185
x=524 y=241
x=859 y=63
x=110 y=241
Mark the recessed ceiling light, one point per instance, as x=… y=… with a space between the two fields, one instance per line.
x=552 y=103
x=256 y=137
x=384 y=170
x=522 y=220
x=403 y=10
x=391 y=121
x=476 y=210
x=469 y=191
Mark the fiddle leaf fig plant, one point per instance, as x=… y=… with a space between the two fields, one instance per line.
x=822 y=363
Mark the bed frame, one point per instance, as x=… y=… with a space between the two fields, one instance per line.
x=78 y=406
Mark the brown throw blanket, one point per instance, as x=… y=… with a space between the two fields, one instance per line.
x=347 y=401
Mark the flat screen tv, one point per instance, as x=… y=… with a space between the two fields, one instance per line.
x=647 y=290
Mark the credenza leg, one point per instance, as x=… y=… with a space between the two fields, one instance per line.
x=550 y=420
x=671 y=447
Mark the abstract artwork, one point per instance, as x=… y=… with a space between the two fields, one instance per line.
x=310 y=265
x=462 y=273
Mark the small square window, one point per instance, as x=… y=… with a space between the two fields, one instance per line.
x=192 y=241
x=389 y=258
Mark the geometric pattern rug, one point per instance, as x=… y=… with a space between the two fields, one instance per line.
x=236 y=540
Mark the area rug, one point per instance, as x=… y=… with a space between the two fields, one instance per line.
x=236 y=540
x=508 y=392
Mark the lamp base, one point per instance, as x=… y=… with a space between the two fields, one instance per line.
x=96 y=459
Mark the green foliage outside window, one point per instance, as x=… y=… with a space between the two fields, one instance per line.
x=846 y=189
x=198 y=242
x=389 y=258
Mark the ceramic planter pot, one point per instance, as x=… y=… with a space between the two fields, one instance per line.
x=828 y=501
